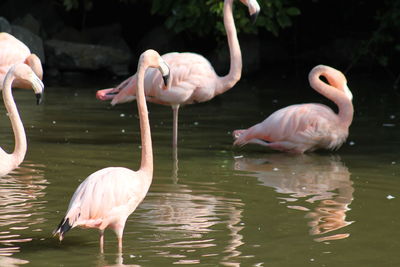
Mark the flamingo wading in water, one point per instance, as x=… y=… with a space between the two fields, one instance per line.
x=14 y=51
x=193 y=79
x=24 y=74
x=306 y=127
x=107 y=197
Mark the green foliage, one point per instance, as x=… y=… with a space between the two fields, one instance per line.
x=75 y=4
x=384 y=42
x=204 y=17
x=70 y=4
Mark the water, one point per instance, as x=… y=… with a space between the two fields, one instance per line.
x=217 y=205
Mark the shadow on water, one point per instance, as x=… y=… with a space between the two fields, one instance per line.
x=321 y=181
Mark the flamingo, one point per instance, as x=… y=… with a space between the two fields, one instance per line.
x=19 y=72
x=14 y=51
x=193 y=79
x=306 y=127
x=107 y=197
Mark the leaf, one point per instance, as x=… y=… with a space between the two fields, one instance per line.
x=283 y=20
x=293 y=11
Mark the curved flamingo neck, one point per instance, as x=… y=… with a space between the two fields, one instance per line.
x=235 y=70
x=344 y=104
x=18 y=128
x=147 y=150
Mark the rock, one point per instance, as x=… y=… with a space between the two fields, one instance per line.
x=63 y=56
x=30 y=39
x=4 y=25
x=161 y=40
x=28 y=22
x=70 y=34
x=108 y=35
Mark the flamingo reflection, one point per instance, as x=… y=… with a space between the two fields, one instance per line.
x=20 y=206
x=323 y=180
x=119 y=261
x=184 y=217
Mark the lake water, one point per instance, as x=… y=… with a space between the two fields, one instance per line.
x=215 y=205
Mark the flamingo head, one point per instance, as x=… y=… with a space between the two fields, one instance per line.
x=23 y=75
x=254 y=8
x=338 y=80
x=154 y=60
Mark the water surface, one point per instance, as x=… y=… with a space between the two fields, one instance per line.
x=216 y=205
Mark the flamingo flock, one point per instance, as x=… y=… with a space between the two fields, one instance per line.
x=107 y=197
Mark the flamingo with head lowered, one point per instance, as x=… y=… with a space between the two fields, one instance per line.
x=24 y=74
x=13 y=51
x=193 y=79
x=107 y=197
x=306 y=127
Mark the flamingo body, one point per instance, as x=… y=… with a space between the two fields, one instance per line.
x=193 y=79
x=306 y=127
x=107 y=197
x=13 y=51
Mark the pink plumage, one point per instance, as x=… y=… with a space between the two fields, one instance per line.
x=193 y=79
x=13 y=51
x=24 y=74
x=306 y=127
x=107 y=197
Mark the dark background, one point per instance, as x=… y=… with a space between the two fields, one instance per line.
x=352 y=36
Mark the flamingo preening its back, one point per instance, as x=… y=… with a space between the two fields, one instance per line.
x=306 y=127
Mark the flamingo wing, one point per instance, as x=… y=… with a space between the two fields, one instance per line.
x=105 y=197
x=193 y=79
x=297 y=128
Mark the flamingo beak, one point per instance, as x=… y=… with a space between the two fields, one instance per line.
x=112 y=93
x=165 y=72
x=39 y=98
x=253 y=17
x=165 y=79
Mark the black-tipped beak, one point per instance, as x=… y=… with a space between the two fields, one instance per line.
x=38 y=98
x=112 y=93
x=253 y=17
x=166 y=78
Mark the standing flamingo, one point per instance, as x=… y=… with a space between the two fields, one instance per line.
x=14 y=51
x=193 y=79
x=306 y=127
x=19 y=72
x=107 y=197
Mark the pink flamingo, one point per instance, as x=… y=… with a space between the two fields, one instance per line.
x=13 y=51
x=19 y=72
x=193 y=79
x=107 y=197
x=306 y=127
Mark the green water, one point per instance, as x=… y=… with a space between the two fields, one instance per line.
x=217 y=205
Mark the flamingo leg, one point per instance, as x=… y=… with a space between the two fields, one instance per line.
x=175 y=109
x=175 y=167
x=101 y=241
x=119 y=231
x=119 y=244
